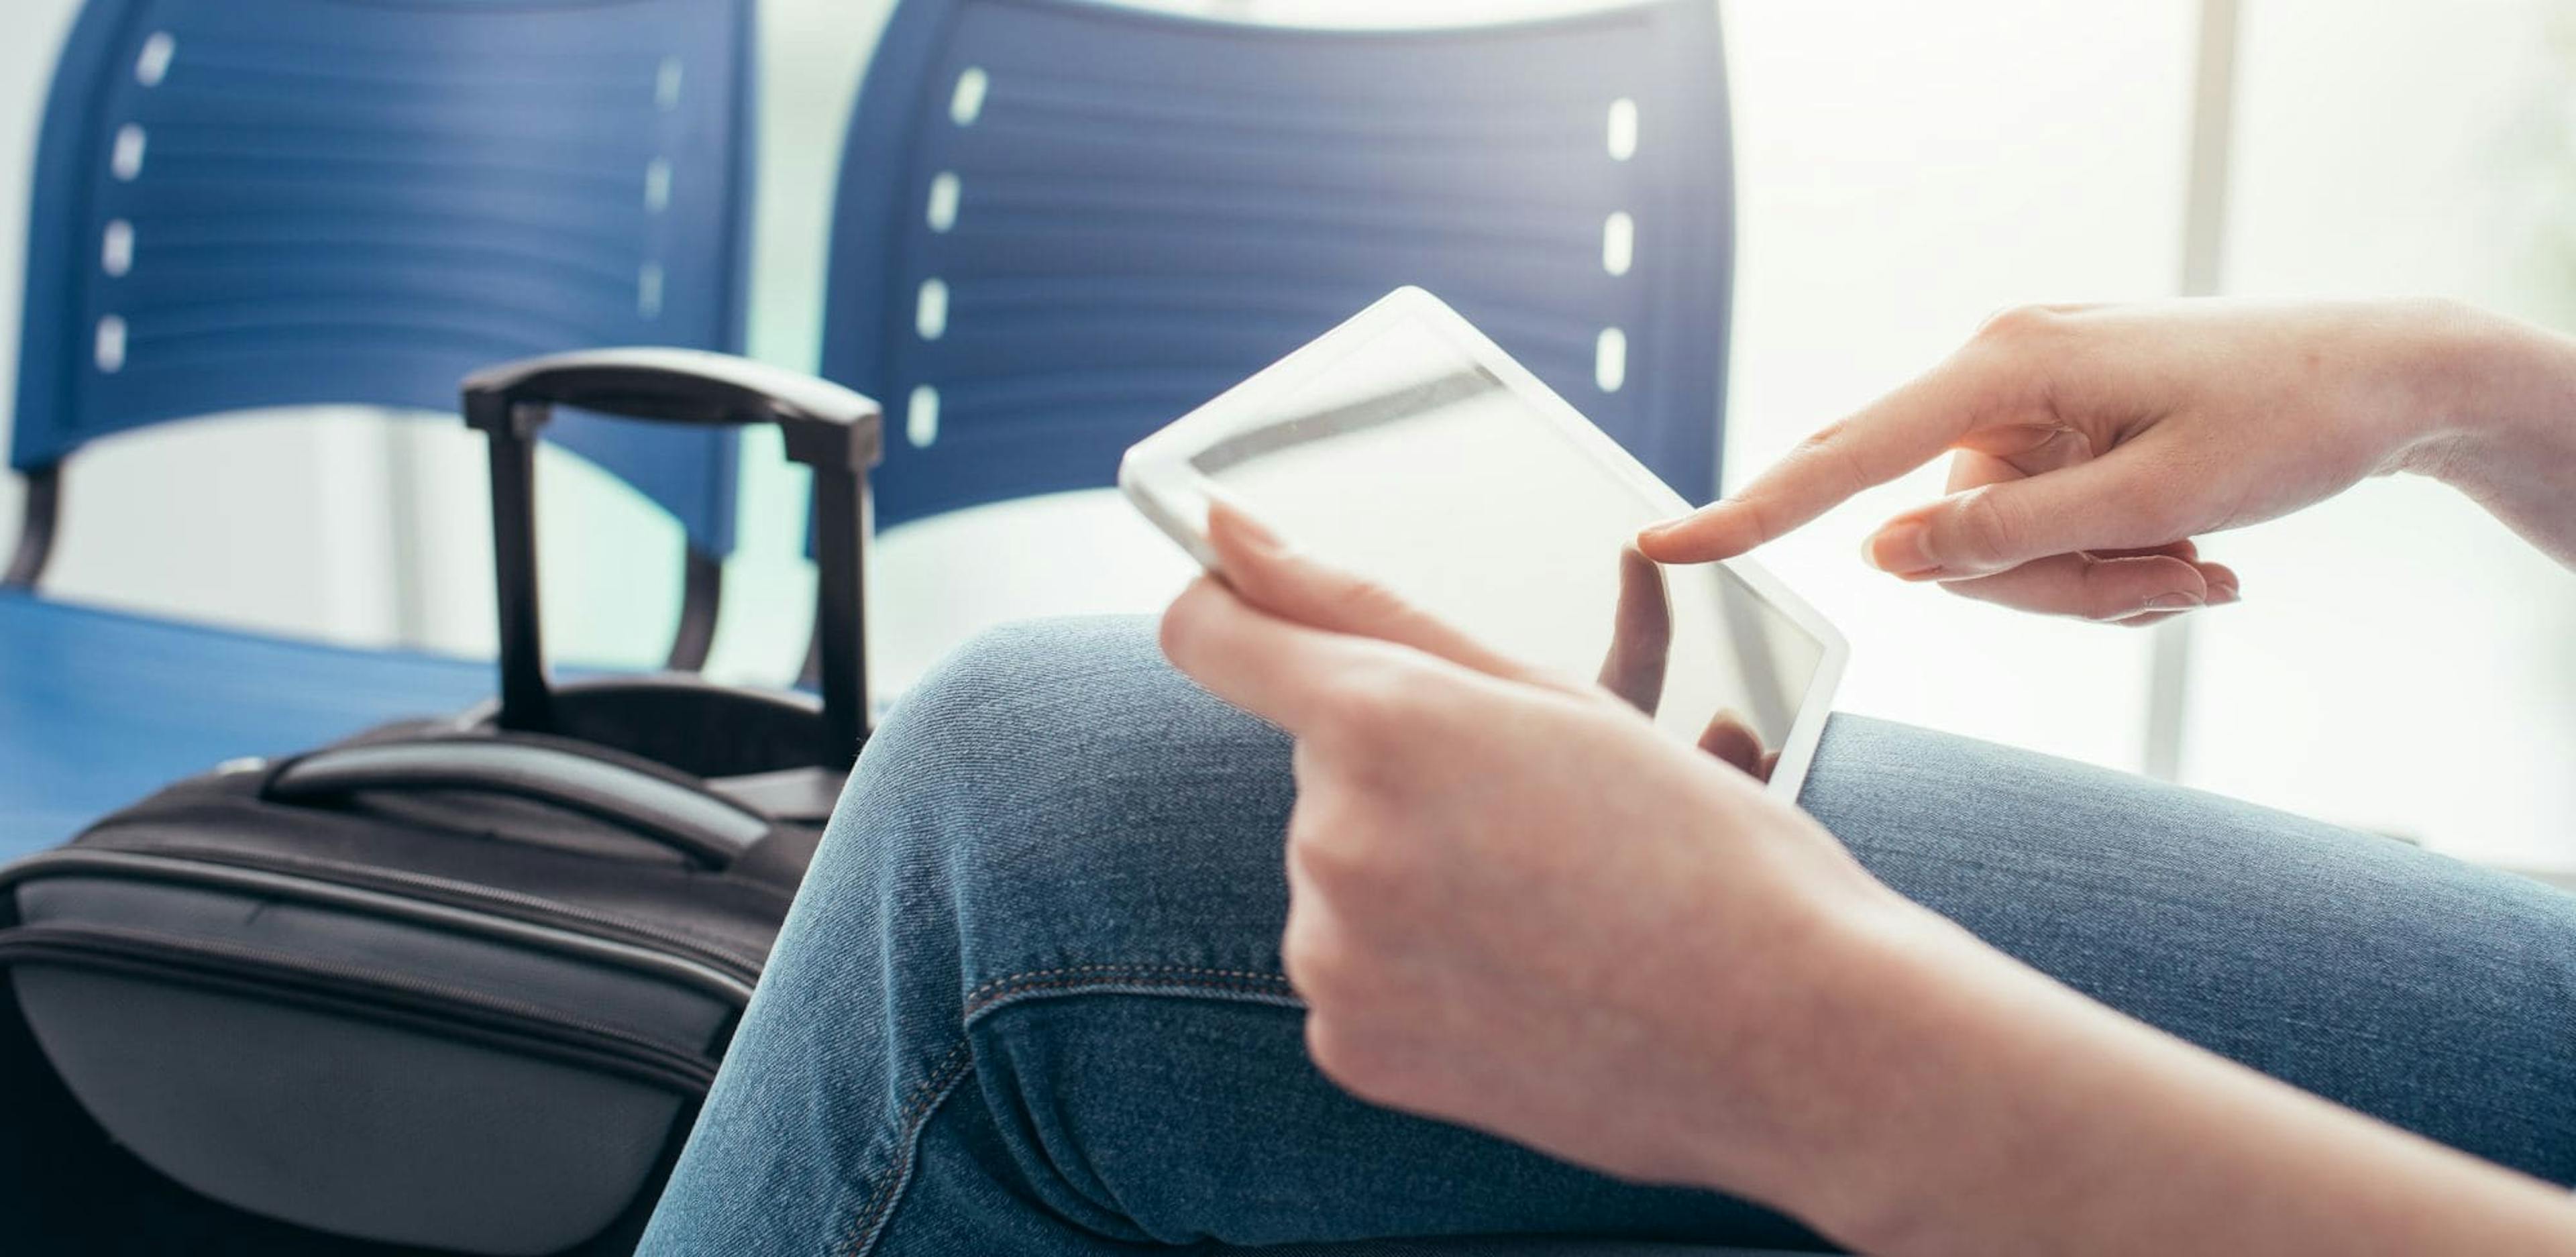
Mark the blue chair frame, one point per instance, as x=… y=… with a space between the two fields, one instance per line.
x=1063 y=223
x=221 y=223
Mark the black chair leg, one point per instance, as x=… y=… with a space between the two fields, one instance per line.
x=701 y=593
x=36 y=530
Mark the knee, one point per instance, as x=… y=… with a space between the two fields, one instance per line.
x=1055 y=789
x=1052 y=800
x=1048 y=720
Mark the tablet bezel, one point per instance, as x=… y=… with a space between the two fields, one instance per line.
x=1158 y=475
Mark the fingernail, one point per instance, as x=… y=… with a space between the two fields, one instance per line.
x=2175 y=601
x=1653 y=531
x=1901 y=550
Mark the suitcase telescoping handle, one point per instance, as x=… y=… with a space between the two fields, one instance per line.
x=833 y=431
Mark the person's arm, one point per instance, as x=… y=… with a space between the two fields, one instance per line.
x=2091 y=444
x=1516 y=905
x=2513 y=448
x=1989 y=1110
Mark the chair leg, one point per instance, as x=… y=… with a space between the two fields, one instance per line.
x=36 y=532
x=701 y=593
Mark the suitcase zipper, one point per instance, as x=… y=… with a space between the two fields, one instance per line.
x=738 y=973
x=432 y=1007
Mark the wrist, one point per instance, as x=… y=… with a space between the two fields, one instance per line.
x=1842 y=1051
x=1938 y=1083
x=1913 y=992
x=2493 y=395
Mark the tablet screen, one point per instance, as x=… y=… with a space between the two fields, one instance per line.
x=1402 y=456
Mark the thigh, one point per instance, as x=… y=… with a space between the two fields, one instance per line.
x=2423 y=990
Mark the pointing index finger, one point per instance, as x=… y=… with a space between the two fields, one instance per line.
x=1891 y=436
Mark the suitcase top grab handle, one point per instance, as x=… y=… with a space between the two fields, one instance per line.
x=830 y=429
x=707 y=828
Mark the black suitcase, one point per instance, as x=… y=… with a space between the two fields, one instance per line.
x=462 y=983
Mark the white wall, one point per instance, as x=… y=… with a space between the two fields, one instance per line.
x=2400 y=661
x=1906 y=171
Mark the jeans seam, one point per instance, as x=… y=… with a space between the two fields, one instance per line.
x=934 y=1088
x=983 y=998
x=974 y=997
x=868 y=1226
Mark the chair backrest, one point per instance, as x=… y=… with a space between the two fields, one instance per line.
x=254 y=203
x=1062 y=223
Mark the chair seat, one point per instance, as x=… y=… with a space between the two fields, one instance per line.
x=99 y=708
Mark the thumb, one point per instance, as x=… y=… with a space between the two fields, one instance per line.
x=2108 y=503
x=1266 y=573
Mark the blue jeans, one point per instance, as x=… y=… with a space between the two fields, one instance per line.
x=1030 y=1001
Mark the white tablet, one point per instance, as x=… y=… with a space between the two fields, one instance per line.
x=1406 y=447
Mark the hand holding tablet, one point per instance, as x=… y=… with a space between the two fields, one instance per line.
x=1405 y=447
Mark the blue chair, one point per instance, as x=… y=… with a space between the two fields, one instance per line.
x=261 y=203
x=1064 y=223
